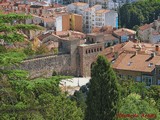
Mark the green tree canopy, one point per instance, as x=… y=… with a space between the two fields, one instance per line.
x=139 y=13
x=103 y=96
x=133 y=104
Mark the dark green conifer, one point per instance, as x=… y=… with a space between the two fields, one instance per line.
x=102 y=100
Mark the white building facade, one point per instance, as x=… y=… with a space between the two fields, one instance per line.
x=94 y=16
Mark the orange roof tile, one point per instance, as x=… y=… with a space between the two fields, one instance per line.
x=42 y=36
x=49 y=19
x=102 y=11
x=139 y=62
x=79 y=4
x=124 y=31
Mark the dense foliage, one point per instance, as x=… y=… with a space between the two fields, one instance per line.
x=139 y=13
x=103 y=96
x=20 y=97
x=136 y=100
x=36 y=99
x=11 y=25
x=137 y=109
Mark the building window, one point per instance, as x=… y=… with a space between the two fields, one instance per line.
x=150 y=64
x=100 y=49
x=147 y=80
x=158 y=71
x=92 y=40
x=86 y=52
x=158 y=82
x=138 y=79
x=129 y=64
x=60 y=45
x=94 y=50
x=130 y=77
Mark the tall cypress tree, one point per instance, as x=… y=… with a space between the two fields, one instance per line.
x=103 y=96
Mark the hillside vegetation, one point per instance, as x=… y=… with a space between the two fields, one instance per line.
x=139 y=13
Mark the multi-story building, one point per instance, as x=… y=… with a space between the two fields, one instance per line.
x=107 y=4
x=89 y=18
x=55 y=1
x=97 y=17
x=69 y=22
x=150 y=32
x=107 y=39
x=105 y=17
x=134 y=61
x=77 y=7
x=125 y=34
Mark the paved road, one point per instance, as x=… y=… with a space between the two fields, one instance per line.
x=71 y=85
x=75 y=81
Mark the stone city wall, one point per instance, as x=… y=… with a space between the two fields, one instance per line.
x=46 y=65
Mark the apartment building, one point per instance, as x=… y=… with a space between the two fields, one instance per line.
x=105 y=17
x=107 y=4
x=69 y=22
x=89 y=18
x=97 y=17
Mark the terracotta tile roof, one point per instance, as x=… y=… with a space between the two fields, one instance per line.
x=127 y=60
x=104 y=29
x=42 y=36
x=95 y=6
x=117 y=48
x=57 y=5
x=22 y=5
x=74 y=34
x=49 y=19
x=102 y=11
x=62 y=33
x=95 y=34
x=4 y=4
x=146 y=26
x=88 y=9
x=156 y=33
x=79 y=4
x=109 y=37
x=139 y=62
x=124 y=31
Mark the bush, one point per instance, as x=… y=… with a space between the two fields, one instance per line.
x=29 y=51
x=41 y=50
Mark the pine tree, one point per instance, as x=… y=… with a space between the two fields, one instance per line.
x=103 y=96
x=11 y=27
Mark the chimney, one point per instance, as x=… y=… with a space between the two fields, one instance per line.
x=112 y=49
x=115 y=55
x=153 y=54
x=135 y=53
x=156 y=48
